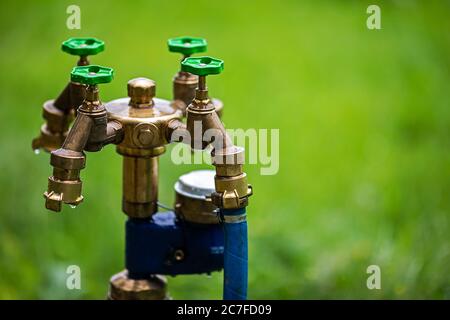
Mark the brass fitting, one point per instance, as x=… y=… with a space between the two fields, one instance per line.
x=231 y=187
x=184 y=85
x=145 y=121
x=121 y=287
x=140 y=186
x=90 y=131
x=65 y=184
x=59 y=114
x=141 y=92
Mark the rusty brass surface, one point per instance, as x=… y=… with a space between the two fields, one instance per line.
x=121 y=287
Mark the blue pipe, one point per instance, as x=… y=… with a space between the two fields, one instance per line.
x=235 y=254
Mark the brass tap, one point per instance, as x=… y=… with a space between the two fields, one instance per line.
x=60 y=112
x=231 y=188
x=90 y=131
x=185 y=83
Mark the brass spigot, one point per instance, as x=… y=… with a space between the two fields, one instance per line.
x=90 y=132
x=232 y=190
x=59 y=113
x=185 y=83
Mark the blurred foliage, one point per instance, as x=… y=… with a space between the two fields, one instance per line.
x=364 y=124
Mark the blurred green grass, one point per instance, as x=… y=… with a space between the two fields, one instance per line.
x=364 y=153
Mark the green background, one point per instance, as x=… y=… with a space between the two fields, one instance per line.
x=364 y=122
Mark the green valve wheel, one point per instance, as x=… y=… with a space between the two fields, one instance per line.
x=92 y=74
x=83 y=46
x=187 y=45
x=202 y=66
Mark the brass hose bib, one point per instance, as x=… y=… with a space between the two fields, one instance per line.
x=186 y=83
x=60 y=112
x=231 y=187
x=91 y=131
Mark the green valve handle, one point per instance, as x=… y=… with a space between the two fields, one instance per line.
x=202 y=66
x=92 y=74
x=187 y=45
x=83 y=46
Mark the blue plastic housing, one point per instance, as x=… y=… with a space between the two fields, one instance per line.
x=151 y=245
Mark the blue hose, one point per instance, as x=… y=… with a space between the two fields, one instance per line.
x=235 y=254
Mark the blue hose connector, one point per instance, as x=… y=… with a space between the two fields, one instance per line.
x=235 y=280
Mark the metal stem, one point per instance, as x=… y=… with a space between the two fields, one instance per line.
x=202 y=83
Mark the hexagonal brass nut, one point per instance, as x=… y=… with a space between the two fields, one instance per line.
x=141 y=91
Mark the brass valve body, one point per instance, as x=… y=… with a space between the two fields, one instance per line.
x=184 y=85
x=58 y=114
x=145 y=127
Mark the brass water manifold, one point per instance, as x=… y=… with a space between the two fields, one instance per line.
x=141 y=125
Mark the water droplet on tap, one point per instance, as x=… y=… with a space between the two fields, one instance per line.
x=37 y=151
x=72 y=206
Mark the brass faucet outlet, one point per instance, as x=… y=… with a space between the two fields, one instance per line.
x=90 y=132
x=232 y=190
x=60 y=112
